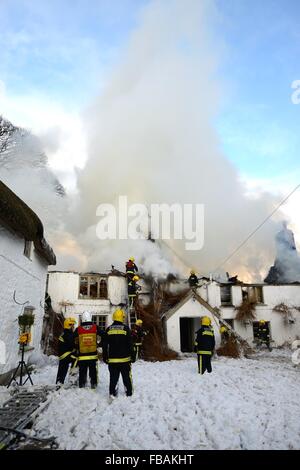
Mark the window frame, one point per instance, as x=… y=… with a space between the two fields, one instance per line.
x=226 y=303
x=91 y=280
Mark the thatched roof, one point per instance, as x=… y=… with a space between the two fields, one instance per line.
x=17 y=217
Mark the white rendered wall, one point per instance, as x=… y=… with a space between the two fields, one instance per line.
x=28 y=278
x=191 y=309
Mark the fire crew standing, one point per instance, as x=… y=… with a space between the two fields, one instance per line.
x=137 y=333
x=86 y=341
x=66 y=350
x=131 y=268
x=204 y=345
x=118 y=353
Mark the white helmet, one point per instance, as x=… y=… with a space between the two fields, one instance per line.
x=86 y=316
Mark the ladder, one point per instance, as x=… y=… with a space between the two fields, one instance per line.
x=131 y=315
x=18 y=412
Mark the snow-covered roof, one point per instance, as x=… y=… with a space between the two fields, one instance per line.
x=17 y=217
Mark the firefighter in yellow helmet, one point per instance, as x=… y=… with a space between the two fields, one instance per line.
x=138 y=333
x=66 y=350
x=133 y=289
x=193 y=279
x=264 y=333
x=131 y=268
x=118 y=353
x=86 y=340
x=205 y=345
x=224 y=334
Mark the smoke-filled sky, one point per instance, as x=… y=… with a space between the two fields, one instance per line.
x=163 y=101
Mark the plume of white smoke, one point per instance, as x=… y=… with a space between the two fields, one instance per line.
x=151 y=137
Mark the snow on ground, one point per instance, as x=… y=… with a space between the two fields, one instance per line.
x=244 y=404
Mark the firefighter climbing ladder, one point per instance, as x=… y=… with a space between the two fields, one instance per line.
x=17 y=413
x=131 y=314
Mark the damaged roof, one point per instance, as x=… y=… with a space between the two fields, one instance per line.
x=17 y=217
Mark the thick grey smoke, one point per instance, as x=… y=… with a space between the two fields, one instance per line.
x=151 y=137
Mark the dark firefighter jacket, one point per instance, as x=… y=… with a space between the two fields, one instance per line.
x=137 y=334
x=133 y=287
x=66 y=344
x=131 y=267
x=117 y=344
x=193 y=280
x=205 y=340
x=87 y=334
x=263 y=333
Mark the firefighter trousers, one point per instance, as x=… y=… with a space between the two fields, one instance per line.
x=204 y=363
x=63 y=368
x=85 y=366
x=123 y=368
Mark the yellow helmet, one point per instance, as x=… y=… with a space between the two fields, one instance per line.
x=135 y=278
x=193 y=271
x=69 y=322
x=119 y=315
x=262 y=322
x=205 y=321
x=139 y=322
x=131 y=258
x=223 y=329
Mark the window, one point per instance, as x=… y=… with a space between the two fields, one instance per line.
x=100 y=321
x=103 y=289
x=28 y=248
x=92 y=287
x=253 y=294
x=226 y=295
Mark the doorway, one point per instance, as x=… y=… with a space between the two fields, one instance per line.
x=187 y=333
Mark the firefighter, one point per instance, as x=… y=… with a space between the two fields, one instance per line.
x=137 y=333
x=118 y=353
x=193 y=279
x=131 y=268
x=204 y=345
x=263 y=334
x=66 y=350
x=133 y=289
x=224 y=334
x=86 y=341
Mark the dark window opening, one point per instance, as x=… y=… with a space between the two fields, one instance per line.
x=253 y=294
x=103 y=289
x=226 y=295
x=92 y=287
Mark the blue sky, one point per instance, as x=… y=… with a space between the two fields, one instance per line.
x=63 y=49
x=259 y=124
